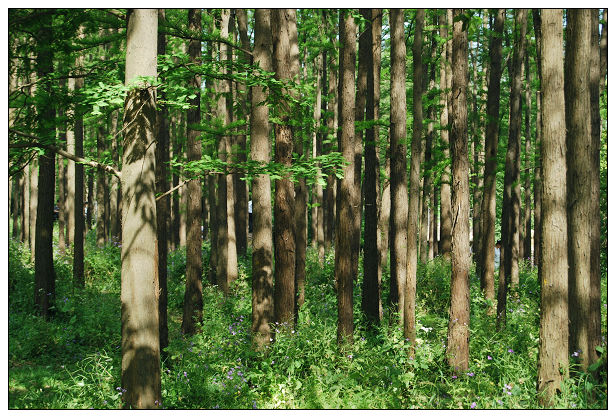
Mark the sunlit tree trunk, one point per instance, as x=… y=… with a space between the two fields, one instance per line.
x=445 y=236
x=399 y=194
x=139 y=294
x=459 y=312
x=262 y=277
x=553 y=359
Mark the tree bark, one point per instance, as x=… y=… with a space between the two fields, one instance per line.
x=348 y=205
x=399 y=194
x=162 y=205
x=459 y=312
x=139 y=295
x=78 y=187
x=538 y=138
x=262 y=278
x=193 y=296
x=488 y=208
x=283 y=24
x=101 y=186
x=445 y=236
x=414 y=180
x=526 y=224
x=44 y=273
x=553 y=357
x=579 y=178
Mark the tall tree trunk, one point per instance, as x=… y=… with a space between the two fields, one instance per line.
x=594 y=321
x=76 y=144
x=476 y=174
x=332 y=127
x=16 y=202
x=140 y=338
x=414 y=180
x=44 y=274
x=101 y=186
x=348 y=205
x=553 y=359
x=222 y=236
x=538 y=138
x=371 y=285
x=399 y=194
x=193 y=296
x=262 y=277
x=445 y=237
x=241 y=191
x=318 y=237
x=115 y=193
x=579 y=178
x=459 y=312
x=175 y=197
x=34 y=178
x=526 y=224
x=61 y=194
x=488 y=206
x=283 y=25
x=162 y=204
x=90 y=201
x=510 y=220
x=25 y=220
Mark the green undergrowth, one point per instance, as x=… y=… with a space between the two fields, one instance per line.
x=73 y=360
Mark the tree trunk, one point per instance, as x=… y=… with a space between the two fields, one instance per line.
x=193 y=296
x=371 y=285
x=115 y=193
x=90 y=201
x=553 y=357
x=348 y=205
x=414 y=180
x=488 y=206
x=579 y=178
x=44 y=274
x=140 y=338
x=459 y=312
x=445 y=237
x=61 y=195
x=262 y=278
x=33 y=200
x=283 y=26
x=332 y=127
x=101 y=186
x=538 y=138
x=162 y=205
x=511 y=195
x=526 y=225
x=78 y=189
x=399 y=194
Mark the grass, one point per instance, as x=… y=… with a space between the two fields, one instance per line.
x=73 y=361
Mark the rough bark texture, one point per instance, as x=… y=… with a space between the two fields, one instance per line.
x=371 y=288
x=222 y=236
x=553 y=343
x=525 y=245
x=62 y=237
x=537 y=179
x=162 y=205
x=78 y=209
x=488 y=208
x=115 y=193
x=459 y=311
x=101 y=187
x=33 y=204
x=139 y=294
x=193 y=296
x=399 y=194
x=410 y=289
x=511 y=195
x=348 y=204
x=262 y=278
x=284 y=242
x=44 y=274
x=445 y=236
x=579 y=178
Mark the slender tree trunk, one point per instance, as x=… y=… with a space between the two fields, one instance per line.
x=283 y=25
x=34 y=178
x=414 y=180
x=44 y=273
x=16 y=203
x=25 y=232
x=318 y=238
x=459 y=313
x=579 y=178
x=445 y=237
x=262 y=277
x=90 y=201
x=222 y=236
x=162 y=205
x=399 y=194
x=488 y=207
x=193 y=296
x=61 y=194
x=511 y=196
x=594 y=321
x=553 y=357
x=175 y=180
x=332 y=127
x=538 y=138
x=527 y=166
x=371 y=289
x=78 y=188
x=100 y=189
x=140 y=338
x=115 y=193
x=476 y=174
x=348 y=204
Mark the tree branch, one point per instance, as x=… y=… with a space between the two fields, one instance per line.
x=80 y=160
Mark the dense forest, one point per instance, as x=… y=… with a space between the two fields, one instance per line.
x=354 y=208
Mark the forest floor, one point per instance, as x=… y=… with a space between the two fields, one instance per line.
x=73 y=361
